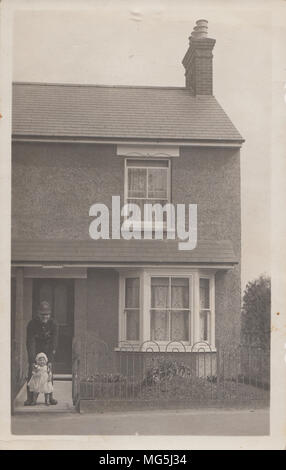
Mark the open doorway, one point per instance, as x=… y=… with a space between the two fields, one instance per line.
x=60 y=294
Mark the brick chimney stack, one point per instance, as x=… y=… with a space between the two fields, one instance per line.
x=198 y=61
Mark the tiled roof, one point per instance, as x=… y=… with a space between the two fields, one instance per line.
x=121 y=251
x=59 y=110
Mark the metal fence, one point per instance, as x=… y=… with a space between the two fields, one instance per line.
x=172 y=374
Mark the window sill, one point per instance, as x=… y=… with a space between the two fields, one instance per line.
x=156 y=348
x=141 y=227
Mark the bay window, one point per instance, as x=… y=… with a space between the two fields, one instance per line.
x=161 y=306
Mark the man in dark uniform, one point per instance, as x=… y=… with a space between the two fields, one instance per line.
x=42 y=336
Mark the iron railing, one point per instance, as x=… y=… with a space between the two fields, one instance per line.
x=173 y=373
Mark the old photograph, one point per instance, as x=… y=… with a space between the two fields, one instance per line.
x=140 y=220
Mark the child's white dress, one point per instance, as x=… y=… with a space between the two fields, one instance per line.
x=39 y=381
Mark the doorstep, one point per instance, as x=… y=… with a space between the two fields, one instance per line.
x=62 y=392
x=66 y=377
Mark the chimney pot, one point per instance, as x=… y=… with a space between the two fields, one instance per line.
x=201 y=29
x=202 y=23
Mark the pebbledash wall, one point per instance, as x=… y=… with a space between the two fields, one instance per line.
x=54 y=185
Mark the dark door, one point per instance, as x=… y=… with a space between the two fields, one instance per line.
x=60 y=294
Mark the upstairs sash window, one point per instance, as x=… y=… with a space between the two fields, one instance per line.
x=147 y=182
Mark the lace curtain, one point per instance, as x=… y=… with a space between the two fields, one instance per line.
x=137 y=182
x=132 y=308
x=168 y=297
x=204 y=294
x=147 y=183
x=204 y=309
x=157 y=183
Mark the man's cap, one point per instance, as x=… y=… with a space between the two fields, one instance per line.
x=44 y=307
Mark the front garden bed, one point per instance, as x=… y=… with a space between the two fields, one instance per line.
x=168 y=385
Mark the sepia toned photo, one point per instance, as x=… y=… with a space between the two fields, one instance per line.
x=140 y=221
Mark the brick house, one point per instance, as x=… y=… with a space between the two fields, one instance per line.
x=76 y=145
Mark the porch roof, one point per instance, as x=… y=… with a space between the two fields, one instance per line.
x=120 y=251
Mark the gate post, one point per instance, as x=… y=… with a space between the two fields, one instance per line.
x=218 y=371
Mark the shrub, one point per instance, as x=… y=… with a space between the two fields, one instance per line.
x=255 y=325
x=166 y=369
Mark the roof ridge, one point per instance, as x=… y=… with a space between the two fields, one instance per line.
x=97 y=85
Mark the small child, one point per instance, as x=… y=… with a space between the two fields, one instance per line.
x=41 y=380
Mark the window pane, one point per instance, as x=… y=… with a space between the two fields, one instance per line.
x=180 y=326
x=140 y=203
x=137 y=182
x=151 y=215
x=132 y=293
x=159 y=292
x=157 y=183
x=179 y=292
x=204 y=293
x=132 y=325
x=204 y=326
x=159 y=325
